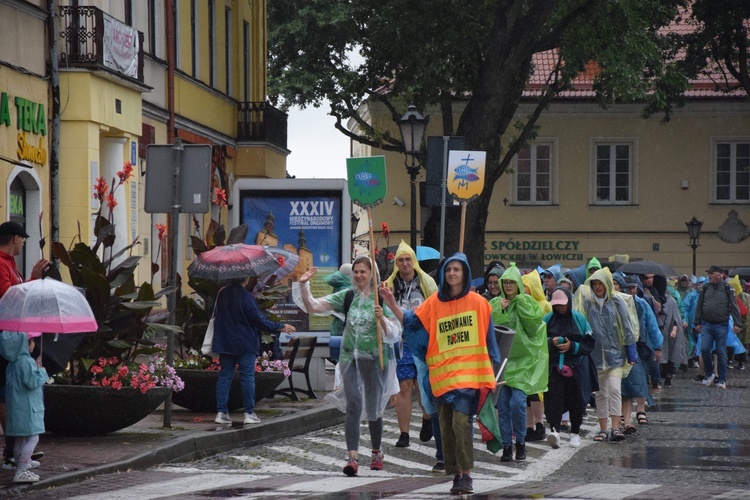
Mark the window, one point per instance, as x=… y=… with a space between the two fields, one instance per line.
x=732 y=172
x=211 y=43
x=533 y=179
x=194 y=38
x=246 y=59
x=613 y=174
x=228 y=49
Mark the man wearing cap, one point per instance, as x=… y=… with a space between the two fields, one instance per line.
x=716 y=303
x=12 y=239
x=550 y=277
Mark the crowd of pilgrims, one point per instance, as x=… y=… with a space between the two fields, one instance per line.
x=585 y=337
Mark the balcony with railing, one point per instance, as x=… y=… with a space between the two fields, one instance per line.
x=92 y=39
x=260 y=121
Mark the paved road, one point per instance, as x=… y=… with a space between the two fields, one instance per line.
x=697 y=445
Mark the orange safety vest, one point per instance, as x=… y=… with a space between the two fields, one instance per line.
x=457 y=350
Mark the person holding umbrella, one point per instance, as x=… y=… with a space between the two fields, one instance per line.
x=237 y=341
x=12 y=240
x=367 y=361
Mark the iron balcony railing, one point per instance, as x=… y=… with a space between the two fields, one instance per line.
x=92 y=39
x=260 y=121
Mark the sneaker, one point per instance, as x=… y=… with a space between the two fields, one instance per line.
x=25 y=476
x=575 y=440
x=730 y=364
x=698 y=378
x=520 y=451
x=11 y=464
x=223 y=418
x=439 y=467
x=553 y=438
x=377 y=461
x=716 y=380
x=351 y=467
x=455 y=488
x=250 y=418
x=541 y=432
x=707 y=380
x=740 y=365
x=403 y=440
x=668 y=382
x=507 y=454
x=37 y=455
x=425 y=434
x=721 y=385
x=465 y=485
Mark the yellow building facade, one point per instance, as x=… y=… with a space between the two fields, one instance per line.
x=599 y=183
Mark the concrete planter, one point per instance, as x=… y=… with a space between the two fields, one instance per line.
x=199 y=394
x=84 y=410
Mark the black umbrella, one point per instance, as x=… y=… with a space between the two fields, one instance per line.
x=58 y=349
x=647 y=267
x=744 y=272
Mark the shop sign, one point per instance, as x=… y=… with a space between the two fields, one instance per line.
x=533 y=250
x=31 y=118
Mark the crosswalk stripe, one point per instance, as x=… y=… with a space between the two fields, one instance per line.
x=606 y=491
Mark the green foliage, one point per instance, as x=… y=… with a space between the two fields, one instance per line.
x=119 y=306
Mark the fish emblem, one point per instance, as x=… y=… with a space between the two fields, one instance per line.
x=465 y=175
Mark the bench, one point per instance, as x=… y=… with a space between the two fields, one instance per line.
x=298 y=353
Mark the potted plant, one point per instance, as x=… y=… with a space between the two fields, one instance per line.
x=121 y=365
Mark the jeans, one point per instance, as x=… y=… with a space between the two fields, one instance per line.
x=511 y=415
x=228 y=362
x=710 y=333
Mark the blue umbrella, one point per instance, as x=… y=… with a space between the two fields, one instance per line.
x=427 y=253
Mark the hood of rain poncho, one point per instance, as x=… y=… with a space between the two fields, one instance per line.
x=555 y=271
x=611 y=337
x=735 y=284
x=536 y=290
x=13 y=345
x=528 y=360
x=578 y=275
x=338 y=281
x=619 y=278
x=443 y=288
x=593 y=264
x=425 y=281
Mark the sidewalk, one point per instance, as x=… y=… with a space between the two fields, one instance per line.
x=147 y=443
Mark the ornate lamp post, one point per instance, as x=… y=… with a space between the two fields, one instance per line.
x=694 y=231
x=413 y=126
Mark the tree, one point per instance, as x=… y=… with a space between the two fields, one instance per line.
x=436 y=53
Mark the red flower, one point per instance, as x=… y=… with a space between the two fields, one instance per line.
x=385 y=229
x=111 y=202
x=221 y=198
x=101 y=188
x=126 y=172
x=391 y=256
x=161 y=228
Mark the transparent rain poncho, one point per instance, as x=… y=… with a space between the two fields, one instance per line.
x=613 y=320
x=359 y=346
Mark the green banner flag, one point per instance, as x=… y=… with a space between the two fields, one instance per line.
x=366 y=180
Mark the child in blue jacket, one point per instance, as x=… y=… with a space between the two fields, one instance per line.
x=25 y=402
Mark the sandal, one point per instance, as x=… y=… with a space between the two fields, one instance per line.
x=641 y=417
x=617 y=435
x=601 y=436
x=629 y=429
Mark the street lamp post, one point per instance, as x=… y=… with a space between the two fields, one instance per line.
x=413 y=126
x=694 y=231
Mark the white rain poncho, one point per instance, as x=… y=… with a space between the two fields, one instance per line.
x=613 y=320
x=359 y=346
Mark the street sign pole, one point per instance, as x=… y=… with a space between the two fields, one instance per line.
x=444 y=189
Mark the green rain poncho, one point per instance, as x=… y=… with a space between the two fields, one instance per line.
x=527 y=367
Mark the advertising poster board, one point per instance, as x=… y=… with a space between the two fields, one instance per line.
x=307 y=217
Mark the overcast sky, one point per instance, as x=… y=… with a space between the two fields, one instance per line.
x=318 y=149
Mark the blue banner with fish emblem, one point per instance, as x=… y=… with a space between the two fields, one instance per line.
x=366 y=180
x=466 y=174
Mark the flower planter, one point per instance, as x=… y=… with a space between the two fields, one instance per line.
x=199 y=394
x=84 y=410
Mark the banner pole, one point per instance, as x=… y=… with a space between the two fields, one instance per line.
x=375 y=283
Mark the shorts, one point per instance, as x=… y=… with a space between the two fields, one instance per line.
x=405 y=367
